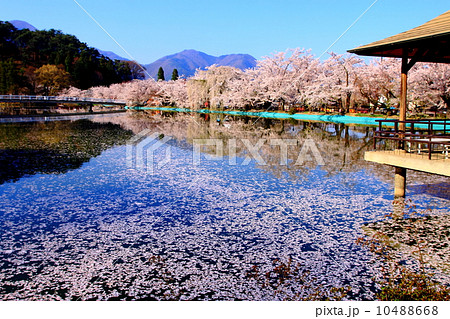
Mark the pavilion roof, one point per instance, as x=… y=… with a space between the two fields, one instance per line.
x=429 y=42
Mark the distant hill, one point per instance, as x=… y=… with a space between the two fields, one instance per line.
x=187 y=61
x=19 y=24
x=112 y=55
x=76 y=63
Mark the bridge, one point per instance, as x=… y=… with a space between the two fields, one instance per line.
x=57 y=99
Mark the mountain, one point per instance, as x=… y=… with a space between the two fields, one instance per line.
x=19 y=24
x=240 y=61
x=187 y=61
x=112 y=55
x=76 y=62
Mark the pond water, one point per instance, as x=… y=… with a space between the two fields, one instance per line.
x=166 y=206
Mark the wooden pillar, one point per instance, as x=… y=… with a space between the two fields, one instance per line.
x=400 y=172
x=403 y=91
x=400 y=182
x=407 y=64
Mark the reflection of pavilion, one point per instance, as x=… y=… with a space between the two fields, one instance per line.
x=426 y=43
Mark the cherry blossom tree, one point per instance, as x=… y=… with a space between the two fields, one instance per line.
x=294 y=78
x=378 y=82
x=140 y=91
x=275 y=78
x=283 y=78
x=430 y=85
x=245 y=91
x=73 y=92
x=197 y=90
x=174 y=93
x=336 y=81
x=212 y=86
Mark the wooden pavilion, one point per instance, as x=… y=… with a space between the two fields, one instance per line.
x=429 y=42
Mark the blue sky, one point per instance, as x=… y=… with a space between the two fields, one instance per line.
x=151 y=29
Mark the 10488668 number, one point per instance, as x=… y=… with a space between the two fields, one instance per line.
x=407 y=310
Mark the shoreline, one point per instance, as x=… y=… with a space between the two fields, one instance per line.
x=340 y=119
x=329 y=118
x=7 y=116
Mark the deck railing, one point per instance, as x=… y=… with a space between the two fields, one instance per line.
x=422 y=136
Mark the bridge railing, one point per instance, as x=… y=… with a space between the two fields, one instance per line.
x=58 y=99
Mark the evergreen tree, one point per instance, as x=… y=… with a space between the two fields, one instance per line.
x=10 y=78
x=161 y=74
x=174 y=75
x=30 y=50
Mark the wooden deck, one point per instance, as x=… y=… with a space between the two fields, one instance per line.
x=438 y=164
